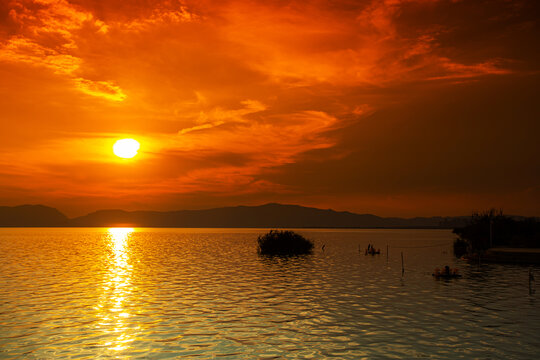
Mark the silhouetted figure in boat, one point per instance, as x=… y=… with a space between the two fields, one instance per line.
x=446 y=273
x=371 y=250
x=447 y=270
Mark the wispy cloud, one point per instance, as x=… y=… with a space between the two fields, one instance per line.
x=462 y=71
x=312 y=44
x=102 y=89
x=48 y=38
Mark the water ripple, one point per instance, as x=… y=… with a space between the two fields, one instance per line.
x=205 y=293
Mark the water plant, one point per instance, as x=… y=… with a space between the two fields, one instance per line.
x=283 y=242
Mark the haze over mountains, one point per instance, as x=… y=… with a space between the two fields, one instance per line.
x=263 y=216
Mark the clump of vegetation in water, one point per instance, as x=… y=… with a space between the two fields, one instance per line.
x=491 y=229
x=285 y=242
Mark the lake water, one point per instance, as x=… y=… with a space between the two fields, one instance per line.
x=206 y=293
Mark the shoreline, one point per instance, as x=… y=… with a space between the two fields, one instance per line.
x=510 y=255
x=226 y=227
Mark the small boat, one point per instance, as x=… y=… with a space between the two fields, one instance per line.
x=446 y=276
x=372 y=252
x=447 y=273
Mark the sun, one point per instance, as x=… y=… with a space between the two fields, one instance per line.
x=126 y=148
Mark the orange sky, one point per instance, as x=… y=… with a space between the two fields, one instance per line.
x=392 y=107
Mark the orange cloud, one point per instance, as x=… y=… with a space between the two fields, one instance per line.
x=102 y=89
x=48 y=37
x=461 y=71
x=242 y=99
x=310 y=44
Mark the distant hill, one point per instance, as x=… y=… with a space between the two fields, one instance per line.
x=31 y=215
x=263 y=216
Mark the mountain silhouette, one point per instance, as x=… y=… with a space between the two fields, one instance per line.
x=264 y=216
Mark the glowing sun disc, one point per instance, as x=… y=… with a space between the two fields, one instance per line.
x=126 y=148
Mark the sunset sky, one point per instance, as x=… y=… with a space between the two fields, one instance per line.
x=392 y=107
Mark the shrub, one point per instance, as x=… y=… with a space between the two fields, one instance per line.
x=285 y=242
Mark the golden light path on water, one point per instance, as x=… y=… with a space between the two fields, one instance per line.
x=116 y=290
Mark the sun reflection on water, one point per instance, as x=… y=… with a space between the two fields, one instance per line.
x=117 y=290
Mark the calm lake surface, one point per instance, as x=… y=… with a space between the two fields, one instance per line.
x=206 y=293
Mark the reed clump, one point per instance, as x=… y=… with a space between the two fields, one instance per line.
x=283 y=242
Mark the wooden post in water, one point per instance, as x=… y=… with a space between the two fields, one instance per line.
x=490 y=233
x=386 y=252
x=531 y=280
x=402 y=266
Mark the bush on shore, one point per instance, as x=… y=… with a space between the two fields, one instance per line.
x=491 y=229
x=284 y=242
